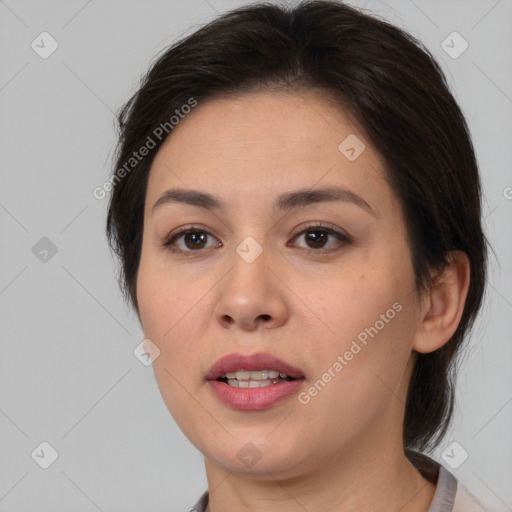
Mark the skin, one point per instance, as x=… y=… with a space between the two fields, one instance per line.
x=343 y=450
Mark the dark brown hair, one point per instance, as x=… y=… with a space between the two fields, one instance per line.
x=398 y=94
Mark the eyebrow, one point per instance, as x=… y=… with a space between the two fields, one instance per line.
x=285 y=202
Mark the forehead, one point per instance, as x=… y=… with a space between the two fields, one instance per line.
x=257 y=144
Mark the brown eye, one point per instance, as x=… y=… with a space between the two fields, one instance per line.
x=193 y=240
x=317 y=236
x=188 y=241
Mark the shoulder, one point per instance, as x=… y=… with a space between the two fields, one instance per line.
x=450 y=495
x=465 y=501
x=201 y=503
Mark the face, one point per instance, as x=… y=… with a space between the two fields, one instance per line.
x=325 y=285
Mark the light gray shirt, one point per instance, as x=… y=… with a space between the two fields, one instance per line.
x=447 y=498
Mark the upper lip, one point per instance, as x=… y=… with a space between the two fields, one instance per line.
x=253 y=362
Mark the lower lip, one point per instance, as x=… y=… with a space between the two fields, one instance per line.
x=254 y=398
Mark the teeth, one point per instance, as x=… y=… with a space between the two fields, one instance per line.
x=251 y=383
x=261 y=375
x=254 y=379
x=258 y=383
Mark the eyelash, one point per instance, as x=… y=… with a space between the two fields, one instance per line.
x=309 y=228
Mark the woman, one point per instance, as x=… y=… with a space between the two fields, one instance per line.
x=296 y=207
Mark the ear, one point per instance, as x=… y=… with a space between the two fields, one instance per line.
x=443 y=305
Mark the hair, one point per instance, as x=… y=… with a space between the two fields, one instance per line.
x=391 y=85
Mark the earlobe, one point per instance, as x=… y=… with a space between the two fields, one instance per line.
x=443 y=306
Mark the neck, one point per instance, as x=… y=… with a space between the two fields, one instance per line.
x=379 y=478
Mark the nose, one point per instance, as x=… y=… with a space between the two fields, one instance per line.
x=251 y=296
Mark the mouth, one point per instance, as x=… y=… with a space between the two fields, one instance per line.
x=254 y=379
x=254 y=368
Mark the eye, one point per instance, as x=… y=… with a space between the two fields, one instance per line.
x=192 y=240
x=316 y=236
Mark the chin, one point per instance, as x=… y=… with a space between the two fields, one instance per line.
x=251 y=458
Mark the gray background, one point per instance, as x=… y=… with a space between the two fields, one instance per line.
x=68 y=375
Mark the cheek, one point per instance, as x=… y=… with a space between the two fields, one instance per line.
x=372 y=334
x=172 y=313
x=162 y=299
x=371 y=317
x=355 y=301
x=167 y=319
x=358 y=379
x=153 y=302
